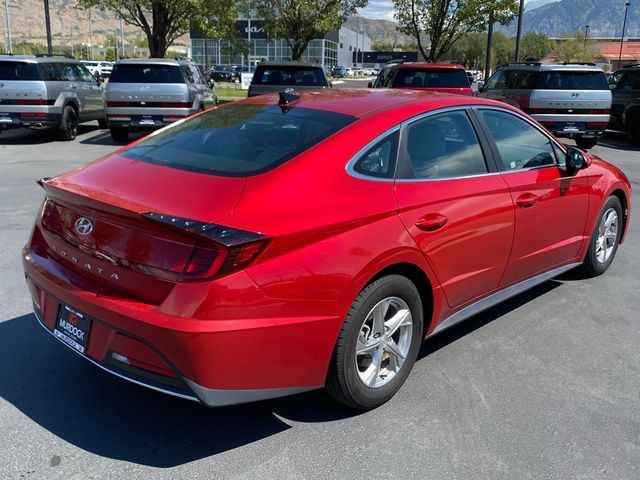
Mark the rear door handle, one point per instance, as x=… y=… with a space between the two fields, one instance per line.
x=431 y=222
x=526 y=200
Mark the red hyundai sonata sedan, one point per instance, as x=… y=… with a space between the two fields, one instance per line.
x=298 y=241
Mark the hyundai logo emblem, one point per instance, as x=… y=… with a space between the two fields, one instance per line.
x=84 y=226
x=575 y=94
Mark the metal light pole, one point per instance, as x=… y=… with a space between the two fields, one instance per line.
x=519 y=34
x=8 y=26
x=122 y=38
x=90 y=35
x=487 y=63
x=586 y=35
x=47 y=21
x=624 y=26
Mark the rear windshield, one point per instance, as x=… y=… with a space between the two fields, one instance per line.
x=293 y=75
x=572 y=80
x=146 y=74
x=238 y=140
x=19 y=71
x=431 y=78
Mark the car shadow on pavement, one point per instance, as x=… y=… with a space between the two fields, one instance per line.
x=464 y=328
x=113 y=418
x=25 y=136
x=617 y=141
x=104 y=138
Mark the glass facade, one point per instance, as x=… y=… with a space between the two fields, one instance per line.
x=219 y=52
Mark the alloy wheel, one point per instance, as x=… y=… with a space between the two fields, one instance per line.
x=607 y=235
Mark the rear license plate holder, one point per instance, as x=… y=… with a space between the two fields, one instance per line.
x=72 y=327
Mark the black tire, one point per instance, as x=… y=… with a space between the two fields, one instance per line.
x=102 y=123
x=68 y=129
x=633 y=131
x=119 y=134
x=343 y=378
x=586 y=143
x=592 y=266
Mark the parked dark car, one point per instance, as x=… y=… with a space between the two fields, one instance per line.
x=221 y=74
x=437 y=77
x=625 y=106
x=277 y=76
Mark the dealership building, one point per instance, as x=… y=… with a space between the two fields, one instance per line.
x=336 y=48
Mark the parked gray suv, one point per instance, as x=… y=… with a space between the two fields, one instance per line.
x=570 y=100
x=41 y=92
x=146 y=94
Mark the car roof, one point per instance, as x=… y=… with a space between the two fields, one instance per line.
x=365 y=102
x=288 y=64
x=430 y=65
x=154 y=61
x=36 y=58
x=552 y=67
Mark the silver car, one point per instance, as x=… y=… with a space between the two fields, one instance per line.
x=152 y=93
x=41 y=92
x=570 y=100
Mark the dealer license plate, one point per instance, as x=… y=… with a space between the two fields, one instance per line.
x=72 y=328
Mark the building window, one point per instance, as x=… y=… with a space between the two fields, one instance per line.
x=341 y=45
x=350 y=47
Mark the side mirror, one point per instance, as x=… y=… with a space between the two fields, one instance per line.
x=370 y=85
x=576 y=160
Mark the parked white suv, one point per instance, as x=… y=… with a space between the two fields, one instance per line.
x=571 y=100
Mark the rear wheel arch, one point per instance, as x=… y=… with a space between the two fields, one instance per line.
x=421 y=281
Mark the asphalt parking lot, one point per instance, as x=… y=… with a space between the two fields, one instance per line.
x=545 y=386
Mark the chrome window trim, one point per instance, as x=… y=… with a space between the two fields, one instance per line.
x=527 y=120
x=350 y=167
x=358 y=155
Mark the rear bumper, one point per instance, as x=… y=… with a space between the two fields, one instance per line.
x=571 y=125
x=30 y=120
x=146 y=119
x=216 y=362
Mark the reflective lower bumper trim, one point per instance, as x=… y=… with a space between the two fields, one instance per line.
x=208 y=396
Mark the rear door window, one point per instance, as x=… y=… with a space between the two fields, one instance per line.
x=19 y=71
x=444 y=145
x=519 y=79
x=238 y=140
x=431 y=78
x=572 y=80
x=146 y=73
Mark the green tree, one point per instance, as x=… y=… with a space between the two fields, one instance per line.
x=300 y=21
x=163 y=21
x=534 y=47
x=575 y=49
x=444 y=22
x=503 y=50
x=470 y=50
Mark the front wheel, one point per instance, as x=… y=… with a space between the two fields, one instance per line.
x=377 y=345
x=605 y=239
x=586 y=143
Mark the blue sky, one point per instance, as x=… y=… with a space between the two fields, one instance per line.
x=383 y=9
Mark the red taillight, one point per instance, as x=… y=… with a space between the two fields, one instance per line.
x=33 y=115
x=226 y=249
x=36 y=102
x=176 y=105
